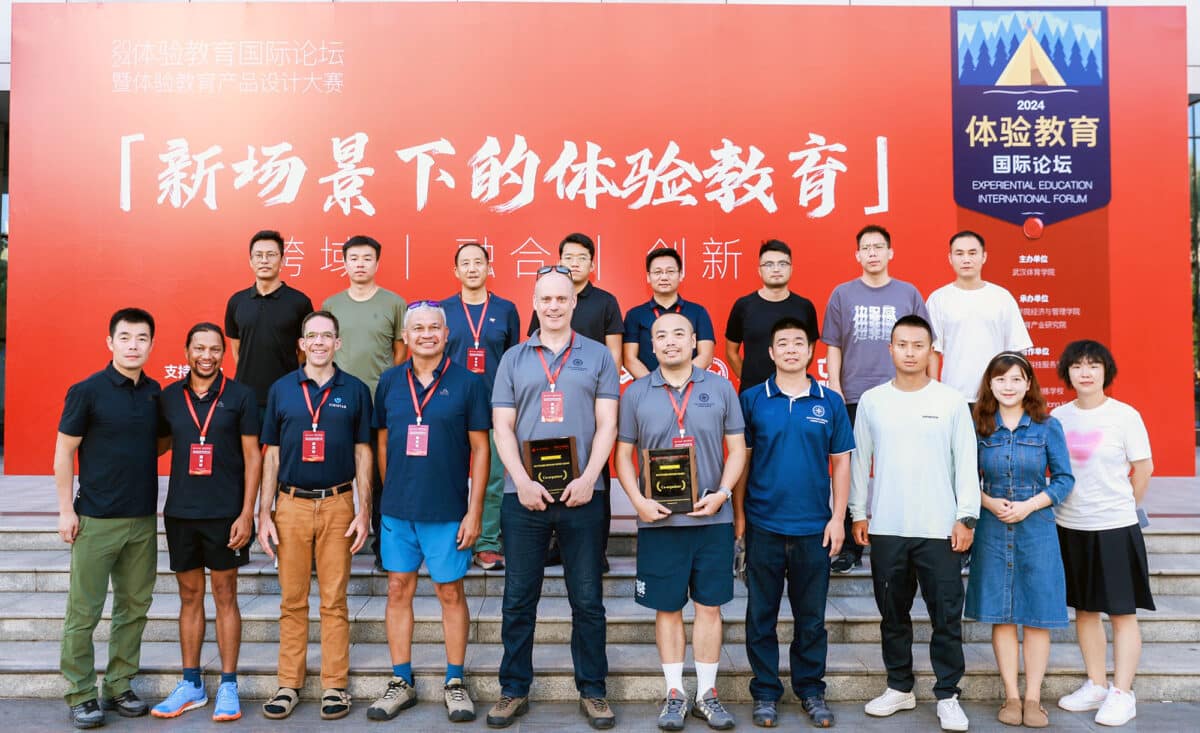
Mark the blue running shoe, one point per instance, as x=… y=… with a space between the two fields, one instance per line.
x=228 y=706
x=183 y=698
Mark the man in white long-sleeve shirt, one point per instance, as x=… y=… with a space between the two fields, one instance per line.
x=920 y=435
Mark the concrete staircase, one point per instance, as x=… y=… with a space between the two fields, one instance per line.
x=34 y=567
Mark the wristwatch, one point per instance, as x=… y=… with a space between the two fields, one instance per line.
x=968 y=522
x=726 y=491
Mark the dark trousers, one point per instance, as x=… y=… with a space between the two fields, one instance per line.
x=554 y=554
x=580 y=535
x=897 y=565
x=801 y=561
x=849 y=546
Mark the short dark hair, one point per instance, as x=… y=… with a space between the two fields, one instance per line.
x=582 y=240
x=774 y=245
x=130 y=316
x=203 y=327
x=464 y=245
x=873 y=229
x=657 y=252
x=913 y=320
x=969 y=233
x=788 y=322
x=319 y=314
x=361 y=240
x=267 y=235
x=1087 y=350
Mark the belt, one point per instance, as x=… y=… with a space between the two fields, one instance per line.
x=300 y=493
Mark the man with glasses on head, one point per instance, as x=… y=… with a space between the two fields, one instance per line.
x=554 y=408
x=664 y=270
x=317 y=431
x=482 y=326
x=263 y=321
x=857 y=331
x=752 y=316
x=369 y=320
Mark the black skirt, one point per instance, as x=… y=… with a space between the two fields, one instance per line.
x=1106 y=570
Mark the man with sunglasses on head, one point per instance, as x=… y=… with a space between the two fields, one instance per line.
x=556 y=391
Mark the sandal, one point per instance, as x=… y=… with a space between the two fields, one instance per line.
x=282 y=705
x=1035 y=715
x=335 y=703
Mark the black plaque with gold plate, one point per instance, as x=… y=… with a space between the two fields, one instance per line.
x=551 y=462
x=669 y=477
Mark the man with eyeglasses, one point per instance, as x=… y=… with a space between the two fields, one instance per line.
x=857 y=331
x=369 y=321
x=748 y=330
x=263 y=321
x=556 y=391
x=482 y=326
x=317 y=431
x=664 y=270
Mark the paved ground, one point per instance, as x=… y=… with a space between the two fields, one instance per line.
x=46 y=715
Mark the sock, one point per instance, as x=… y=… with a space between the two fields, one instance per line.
x=453 y=670
x=403 y=671
x=192 y=674
x=706 y=678
x=674 y=674
x=229 y=677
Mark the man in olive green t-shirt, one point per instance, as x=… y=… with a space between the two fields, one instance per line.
x=370 y=320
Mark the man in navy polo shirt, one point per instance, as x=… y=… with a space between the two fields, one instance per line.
x=680 y=405
x=482 y=326
x=556 y=385
x=795 y=430
x=317 y=431
x=433 y=420
x=216 y=466
x=664 y=269
x=111 y=420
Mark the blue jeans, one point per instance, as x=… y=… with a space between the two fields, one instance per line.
x=804 y=564
x=581 y=532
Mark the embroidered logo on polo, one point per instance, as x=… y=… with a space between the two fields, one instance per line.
x=818 y=410
x=577 y=365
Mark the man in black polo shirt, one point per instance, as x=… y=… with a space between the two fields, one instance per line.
x=111 y=420
x=317 y=431
x=597 y=316
x=263 y=321
x=216 y=465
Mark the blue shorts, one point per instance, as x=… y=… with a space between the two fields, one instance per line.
x=675 y=562
x=405 y=543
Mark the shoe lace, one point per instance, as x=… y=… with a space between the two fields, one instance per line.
x=714 y=705
x=394 y=689
x=505 y=702
x=457 y=693
x=676 y=705
x=599 y=703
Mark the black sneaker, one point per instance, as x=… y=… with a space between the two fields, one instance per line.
x=87 y=714
x=818 y=712
x=765 y=715
x=845 y=562
x=127 y=705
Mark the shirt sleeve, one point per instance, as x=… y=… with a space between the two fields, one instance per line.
x=1018 y=336
x=381 y=392
x=1136 y=439
x=733 y=326
x=479 y=417
x=608 y=382
x=630 y=329
x=77 y=408
x=164 y=425
x=513 y=329
x=612 y=317
x=248 y=419
x=920 y=309
x=534 y=324
x=935 y=322
x=841 y=438
x=362 y=426
x=1059 y=461
x=965 y=450
x=747 y=418
x=271 y=419
x=627 y=431
x=811 y=315
x=704 y=326
x=503 y=391
x=860 y=461
x=398 y=319
x=735 y=421
x=231 y=326
x=831 y=329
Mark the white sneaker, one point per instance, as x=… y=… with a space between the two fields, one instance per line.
x=1089 y=696
x=951 y=714
x=891 y=701
x=1119 y=707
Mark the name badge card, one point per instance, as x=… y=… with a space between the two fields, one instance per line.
x=552 y=406
x=683 y=442
x=476 y=360
x=314 y=446
x=200 y=460
x=418 y=440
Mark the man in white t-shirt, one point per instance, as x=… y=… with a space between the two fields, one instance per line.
x=973 y=320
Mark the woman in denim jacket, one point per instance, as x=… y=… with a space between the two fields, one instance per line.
x=1016 y=570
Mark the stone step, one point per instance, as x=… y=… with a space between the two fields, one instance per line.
x=854 y=671
x=27 y=571
x=39 y=617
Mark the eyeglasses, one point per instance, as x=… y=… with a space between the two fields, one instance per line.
x=664 y=273
x=553 y=268
x=424 y=304
x=264 y=256
x=775 y=265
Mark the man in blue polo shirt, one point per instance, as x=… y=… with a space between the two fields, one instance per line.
x=795 y=430
x=482 y=326
x=317 y=431
x=216 y=466
x=111 y=420
x=679 y=555
x=433 y=420
x=664 y=269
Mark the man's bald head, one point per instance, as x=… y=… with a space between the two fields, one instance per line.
x=674 y=340
x=554 y=301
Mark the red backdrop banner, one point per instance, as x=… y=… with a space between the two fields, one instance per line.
x=149 y=142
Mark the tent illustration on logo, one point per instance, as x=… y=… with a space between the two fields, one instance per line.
x=1030 y=66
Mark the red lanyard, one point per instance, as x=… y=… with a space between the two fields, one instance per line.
x=677 y=308
x=679 y=411
x=552 y=378
x=316 y=416
x=476 y=331
x=412 y=389
x=187 y=397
